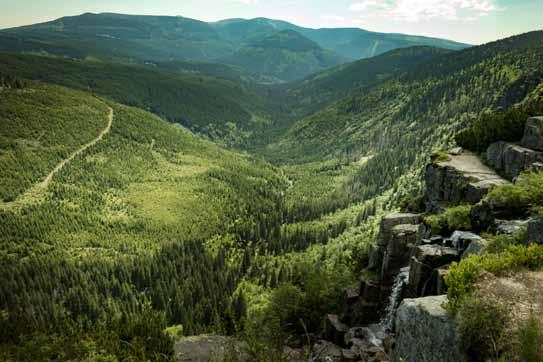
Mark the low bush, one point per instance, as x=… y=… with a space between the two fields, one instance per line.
x=530 y=340
x=454 y=218
x=483 y=328
x=521 y=198
x=514 y=258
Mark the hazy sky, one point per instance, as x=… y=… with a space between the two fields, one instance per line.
x=472 y=21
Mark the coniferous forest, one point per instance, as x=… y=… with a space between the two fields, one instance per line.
x=146 y=196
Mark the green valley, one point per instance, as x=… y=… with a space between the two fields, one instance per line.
x=165 y=178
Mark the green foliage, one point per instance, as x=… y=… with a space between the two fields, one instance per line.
x=413 y=203
x=482 y=325
x=440 y=156
x=519 y=198
x=462 y=275
x=285 y=56
x=500 y=243
x=497 y=126
x=453 y=218
x=531 y=340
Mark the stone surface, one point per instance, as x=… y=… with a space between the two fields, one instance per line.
x=440 y=274
x=475 y=248
x=377 y=252
x=425 y=332
x=533 y=134
x=534 y=233
x=427 y=258
x=324 y=351
x=208 y=347
x=398 y=250
x=509 y=227
x=511 y=159
x=462 y=239
x=334 y=329
x=463 y=178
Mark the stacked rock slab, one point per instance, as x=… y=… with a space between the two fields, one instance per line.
x=511 y=159
x=426 y=332
x=403 y=239
x=463 y=178
x=423 y=266
x=534 y=234
x=388 y=222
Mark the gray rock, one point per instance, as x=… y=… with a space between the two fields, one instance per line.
x=511 y=159
x=461 y=179
x=426 y=332
x=533 y=134
x=537 y=167
x=398 y=250
x=388 y=222
x=440 y=274
x=208 y=347
x=334 y=329
x=324 y=351
x=476 y=247
x=510 y=227
x=534 y=233
x=427 y=258
x=482 y=216
x=372 y=335
x=462 y=239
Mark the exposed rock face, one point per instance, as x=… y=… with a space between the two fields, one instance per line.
x=509 y=227
x=334 y=329
x=534 y=234
x=426 y=332
x=533 y=134
x=475 y=247
x=511 y=159
x=398 y=250
x=461 y=179
x=326 y=352
x=425 y=260
x=208 y=347
x=462 y=239
x=388 y=222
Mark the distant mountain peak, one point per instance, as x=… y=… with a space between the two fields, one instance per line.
x=287 y=39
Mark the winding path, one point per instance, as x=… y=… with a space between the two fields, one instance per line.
x=36 y=191
x=59 y=167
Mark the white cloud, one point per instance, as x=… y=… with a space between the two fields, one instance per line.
x=363 y=5
x=417 y=10
x=332 y=17
x=247 y=2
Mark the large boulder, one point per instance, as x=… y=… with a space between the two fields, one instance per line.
x=425 y=259
x=511 y=159
x=463 y=178
x=388 y=222
x=533 y=134
x=403 y=239
x=534 y=233
x=426 y=332
x=334 y=329
x=209 y=347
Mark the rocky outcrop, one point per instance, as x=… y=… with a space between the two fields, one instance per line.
x=463 y=178
x=209 y=347
x=534 y=232
x=334 y=329
x=426 y=332
x=533 y=134
x=398 y=249
x=511 y=159
x=426 y=259
x=377 y=252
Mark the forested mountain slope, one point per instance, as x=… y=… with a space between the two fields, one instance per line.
x=285 y=56
x=225 y=110
x=372 y=138
x=120 y=226
x=351 y=43
x=139 y=39
x=321 y=89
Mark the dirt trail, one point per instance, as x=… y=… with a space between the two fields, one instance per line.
x=37 y=191
x=59 y=167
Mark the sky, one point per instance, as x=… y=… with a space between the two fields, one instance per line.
x=470 y=21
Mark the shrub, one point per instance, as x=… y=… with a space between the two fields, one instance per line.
x=440 y=156
x=500 y=243
x=412 y=203
x=497 y=126
x=454 y=218
x=482 y=327
x=530 y=335
x=462 y=275
x=519 y=198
